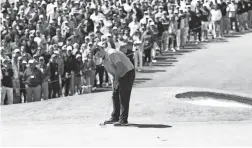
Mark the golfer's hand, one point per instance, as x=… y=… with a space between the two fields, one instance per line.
x=115 y=84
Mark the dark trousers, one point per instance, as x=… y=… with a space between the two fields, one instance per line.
x=121 y=97
x=234 y=21
x=100 y=70
x=130 y=55
x=67 y=83
x=147 y=55
x=54 y=89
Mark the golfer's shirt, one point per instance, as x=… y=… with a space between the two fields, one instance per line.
x=114 y=56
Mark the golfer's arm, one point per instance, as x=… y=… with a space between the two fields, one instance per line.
x=119 y=70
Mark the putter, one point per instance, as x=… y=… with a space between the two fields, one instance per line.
x=104 y=124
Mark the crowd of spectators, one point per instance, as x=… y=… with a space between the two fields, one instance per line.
x=46 y=45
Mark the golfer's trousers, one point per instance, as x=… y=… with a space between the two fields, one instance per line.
x=121 y=96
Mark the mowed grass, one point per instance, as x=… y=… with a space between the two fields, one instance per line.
x=148 y=105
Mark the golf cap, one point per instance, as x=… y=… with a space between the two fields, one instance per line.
x=31 y=61
x=56 y=52
x=16 y=50
x=69 y=48
x=152 y=23
x=31 y=35
x=90 y=43
x=41 y=58
x=78 y=56
x=100 y=44
x=87 y=37
x=108 y=35
x=20 y=58
x=114 y=28
x=54 y=55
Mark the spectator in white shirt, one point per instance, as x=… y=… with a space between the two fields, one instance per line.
x=134 y=25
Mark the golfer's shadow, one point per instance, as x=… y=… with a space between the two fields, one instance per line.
x=149 y=125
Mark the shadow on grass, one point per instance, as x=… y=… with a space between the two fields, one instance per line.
x=151 y=71
x=193 y=95
x=104 y=89
x=149 y=125
x=232 y=36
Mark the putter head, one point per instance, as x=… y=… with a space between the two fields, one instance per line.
x=102 y=124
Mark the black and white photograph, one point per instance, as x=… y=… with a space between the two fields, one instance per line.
x=126 y=73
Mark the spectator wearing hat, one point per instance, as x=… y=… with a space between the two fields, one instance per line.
x=156 y=46
x=250 y=14
x=41 y=27
x=75 y=38
x=54 y=78
x=40 y=40
x=6 y=81
x=45 y=77
x=138 y=53
x=205 y=22
x=33 y=79
x=32 y=46
x=69 y=69
x=134 y=25
x=225 y=19
x=147 y=45
x=50 y=30
x=15 y=80
x=89 y=70
x=22 y=68
x=242 y=14
x=78 y=73
x=129 y=41
x=57 y=38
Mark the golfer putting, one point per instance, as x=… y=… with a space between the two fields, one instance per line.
x=119 y=66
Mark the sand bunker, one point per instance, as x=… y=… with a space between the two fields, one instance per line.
x=217 y=103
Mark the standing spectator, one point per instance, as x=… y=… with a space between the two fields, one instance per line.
x=15 y=80
x=6 y=81
x=242 y=12
x=205 y=22
x=99 y=70
x=78 y=73
x=138 y=53
x=33 y=80
x=147 y=45
x=69 y=69
x=57 y=38
x=32 y=46
x=224 y=20
x=22 y=68
x=231 y=10
x=250 y=14
x=45 y=77
x=89 y=70
x=54 y=86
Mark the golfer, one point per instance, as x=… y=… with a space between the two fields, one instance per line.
x=119 y=66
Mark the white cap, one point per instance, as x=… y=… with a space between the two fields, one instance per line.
x=78 y=56
x=56 y=52
x=69 y=48
x=100 y=44
x=108 y=35
x=31 y=61
x=16 y=50
x=152 y=23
